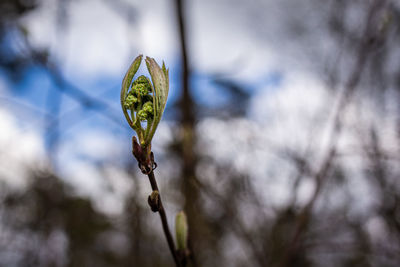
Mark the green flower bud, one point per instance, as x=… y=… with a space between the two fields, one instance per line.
x=148 y=108
x=146 y=113
x=143 y=80
x=141 y=86
x=142 y=115
x=130 y=102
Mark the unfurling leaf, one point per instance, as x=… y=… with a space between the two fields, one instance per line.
x=143 y=101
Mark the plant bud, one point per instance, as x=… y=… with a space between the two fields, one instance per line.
x=145 y=98
x=181 y=228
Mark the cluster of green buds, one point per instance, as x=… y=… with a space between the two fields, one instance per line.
x=139 y=99
x=143 y=103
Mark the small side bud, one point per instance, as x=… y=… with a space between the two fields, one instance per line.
x=154 y=201
x=181 y=229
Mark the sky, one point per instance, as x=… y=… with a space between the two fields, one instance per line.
x=93 y=48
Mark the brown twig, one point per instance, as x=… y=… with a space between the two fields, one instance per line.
x=163 y=218
x=188 y=119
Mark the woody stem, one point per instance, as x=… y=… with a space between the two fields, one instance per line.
x=164 y=221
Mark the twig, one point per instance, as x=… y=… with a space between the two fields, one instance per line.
x=163 y=218
x=188 y=118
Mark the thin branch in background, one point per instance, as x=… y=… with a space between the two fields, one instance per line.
x=187 y=142
x=344 y=99
x=53 y=102
x=97 y=104
x=26 y=110
x=235 y=223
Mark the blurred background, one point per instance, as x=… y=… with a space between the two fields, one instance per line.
x=281 y=137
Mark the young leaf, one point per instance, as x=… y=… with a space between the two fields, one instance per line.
x=126 y=82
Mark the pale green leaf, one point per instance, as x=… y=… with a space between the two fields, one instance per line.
x=126 y=84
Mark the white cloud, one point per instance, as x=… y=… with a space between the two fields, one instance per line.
x=296 y=118
x=247 y=40
x=157 y=28
x=92 y=43
x=244 y=39
x=91 y=162
x=106 y=186
x=21 y=150
x=98 y=41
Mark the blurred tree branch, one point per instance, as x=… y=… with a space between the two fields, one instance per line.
x=366 y=46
